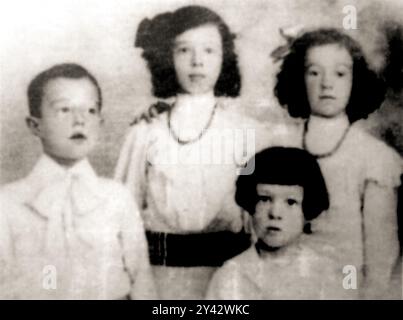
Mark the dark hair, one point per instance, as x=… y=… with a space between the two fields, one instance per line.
x=65 y=70
x=393 y=71
x=285 y=166
x=367 y=92
x=156 y=38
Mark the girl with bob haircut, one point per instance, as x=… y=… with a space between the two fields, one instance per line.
x=284 y=193
x=326 y=81
x=170 y=162
x=288 y=167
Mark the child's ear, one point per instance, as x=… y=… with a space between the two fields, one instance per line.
x=33 y=125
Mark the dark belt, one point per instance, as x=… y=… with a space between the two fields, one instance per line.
x=197 y=249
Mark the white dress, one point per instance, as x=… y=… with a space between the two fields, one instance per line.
x=359 y=236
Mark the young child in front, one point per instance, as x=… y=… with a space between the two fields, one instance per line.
x=65 y=232
x=326 y=81
x=283 y=194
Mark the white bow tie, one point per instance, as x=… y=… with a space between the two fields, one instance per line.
x=63 y=203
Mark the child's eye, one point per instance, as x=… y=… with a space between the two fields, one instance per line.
x=209 y=50
x=292 y=202
x=312 y=73
x=64 y=109
x=341 y=74
x=182 y=50
x=265 y=198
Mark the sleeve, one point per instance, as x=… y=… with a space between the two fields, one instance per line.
x=381 y=236
x=131 y=166
x=381 y=245
x=13 y=284
x=135 y=251
x=384 y=165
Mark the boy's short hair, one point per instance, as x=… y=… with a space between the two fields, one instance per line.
x=156 y=37
x=65 y=70
x=367 y=93
x=285 y=166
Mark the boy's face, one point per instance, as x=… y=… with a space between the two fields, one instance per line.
x=278 y=218
x=70 y=119
x=198 y=57
x=329 y=79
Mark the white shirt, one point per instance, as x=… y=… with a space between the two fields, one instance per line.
x=100 y=253
x=299 y=274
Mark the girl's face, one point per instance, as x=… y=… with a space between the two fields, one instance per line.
x=278 y=218
x=198 y=57
x=328 y=79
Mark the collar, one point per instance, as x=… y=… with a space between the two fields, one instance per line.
x=189 y=105
x=281 y=255
x=47 y=171
x=61 y=196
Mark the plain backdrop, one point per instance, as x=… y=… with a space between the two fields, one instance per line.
x=99 y=34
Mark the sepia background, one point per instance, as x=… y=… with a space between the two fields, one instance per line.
x=99 y=34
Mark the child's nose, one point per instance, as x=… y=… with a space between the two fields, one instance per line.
x=78 y=117
x=197 y=59
x=327 y=81
x=275 y=212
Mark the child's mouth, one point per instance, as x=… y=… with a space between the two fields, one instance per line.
x=78 y=137
x=196 y=77
x=273 y=229
x=327 y=97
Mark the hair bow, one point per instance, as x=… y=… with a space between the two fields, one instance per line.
x=290 y=34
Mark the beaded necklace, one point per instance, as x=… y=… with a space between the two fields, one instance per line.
x=326 y=154
x=183 y=142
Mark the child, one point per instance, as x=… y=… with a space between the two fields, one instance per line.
x=181 y=167
x=326 y=81
x=65 y=232
x=285 y=192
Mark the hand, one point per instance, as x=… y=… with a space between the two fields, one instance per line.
x=151 y=112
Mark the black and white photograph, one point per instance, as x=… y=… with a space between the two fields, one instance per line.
x=201 y=150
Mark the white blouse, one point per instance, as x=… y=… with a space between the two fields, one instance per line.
x=190 y=187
